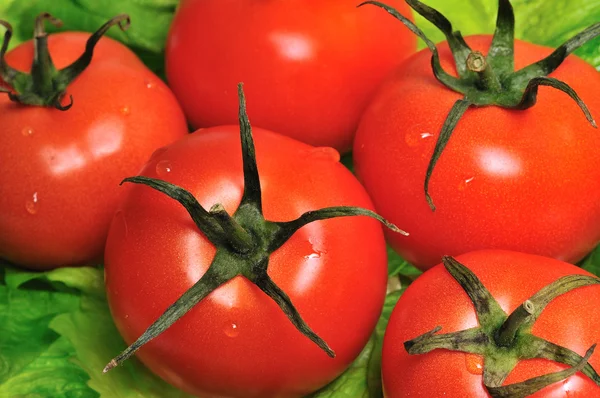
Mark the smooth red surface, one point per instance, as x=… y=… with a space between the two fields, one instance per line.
x=311 y=66
x=237 y=342
x=60 y=170
x=571 y=320
x=518 y=180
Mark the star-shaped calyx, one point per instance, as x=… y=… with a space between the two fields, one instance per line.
x=503 y=340
x=45 y=85
x=244 y=242
x=489 y=80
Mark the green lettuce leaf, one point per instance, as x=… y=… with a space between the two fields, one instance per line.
x=553 y=22
x=96 y=341
x=51 y=374
x=397 y=266
x=470 y=17
x=150 y=21
x=363 y=378
x=543 y=22
x=353 y=382
x=73 y=280
x=592 y=262
x=56 y=336
x=374 y=368
x=34 y=359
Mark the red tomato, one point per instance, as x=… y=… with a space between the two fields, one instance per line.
x=571 y=320
x=237 y=342
x=60 y=170
x=310 y=66
x=521 y=180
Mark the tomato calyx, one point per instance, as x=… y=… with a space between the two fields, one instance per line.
x=503 y=340
x=45 y=85
x=244 y=242
x=489 y=80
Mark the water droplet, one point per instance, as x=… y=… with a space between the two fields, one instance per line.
x=163 y=167
x=474 y=364
x=149 y=84
x=32 y=205
x=231 y=329
x=125 y=111
x=313 y=255
x=414 y=139
x=317 y=249
x=324 y=153
x=27 y=131
x=464 y=183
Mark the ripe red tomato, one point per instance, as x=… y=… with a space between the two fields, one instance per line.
x=237 y=342
x=571 y=320
x=310 y=66
x=521 y=180
x=60 y=170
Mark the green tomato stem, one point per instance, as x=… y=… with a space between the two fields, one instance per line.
x=237 y=236
x=505 y=340
x=46 y=86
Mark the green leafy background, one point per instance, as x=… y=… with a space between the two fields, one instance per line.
x=56 y=333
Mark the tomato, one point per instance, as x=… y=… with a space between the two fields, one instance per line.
x=310 y=66
x=527 y=181
x=571 y=320
x=237 y=342
x=60 y=170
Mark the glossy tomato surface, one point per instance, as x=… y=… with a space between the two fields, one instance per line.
x=518 y=180
x=60 y=170
x=310 y=66
x=238 y=342
x=571 y=320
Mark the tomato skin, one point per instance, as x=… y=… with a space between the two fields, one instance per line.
x=334 y=271
x=310 y=66
x=527 y=181
x=74 y=160
x=571 y=320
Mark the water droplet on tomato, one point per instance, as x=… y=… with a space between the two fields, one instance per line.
x=231 y=329
x=163 y=167
x=464 y=183
x=414 y=139
x=317 y=249
x=474 y=364
x=32 y=205
x=27 y=131
x=149 y=84
x=324 y=153
x=125 y=111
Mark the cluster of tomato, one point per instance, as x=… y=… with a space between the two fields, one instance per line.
x=225 y=257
